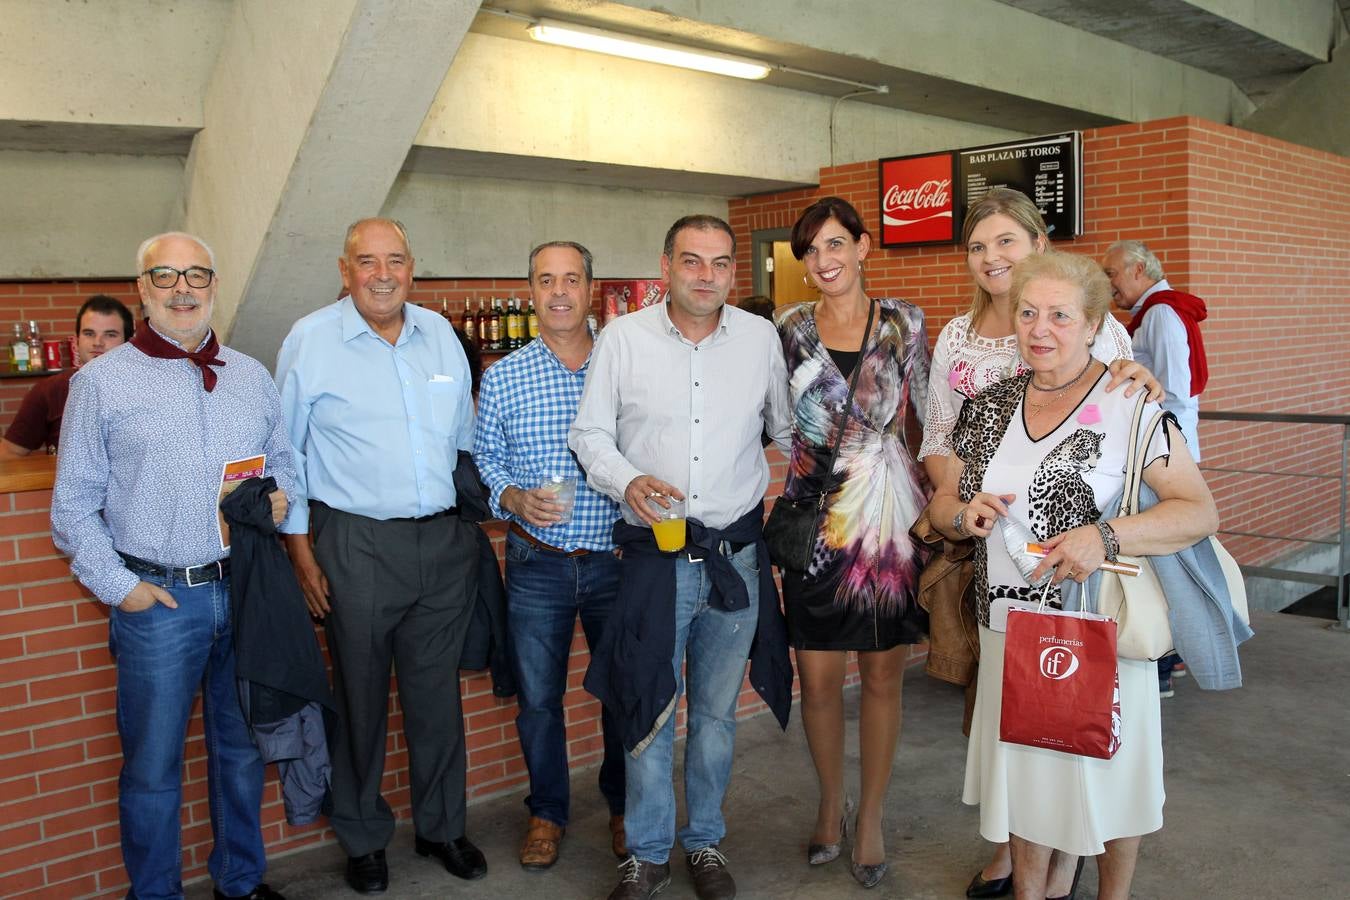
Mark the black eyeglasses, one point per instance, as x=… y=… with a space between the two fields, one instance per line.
x=167 y=276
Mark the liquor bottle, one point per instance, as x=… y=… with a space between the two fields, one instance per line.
x=35 y=359
x=592 y=323
x=495 y=327
x=470 y=322
x=445 y=312
x=514 y=333
x=18 y=350
x=532 y=325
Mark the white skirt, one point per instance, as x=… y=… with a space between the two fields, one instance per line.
x=1071 y=803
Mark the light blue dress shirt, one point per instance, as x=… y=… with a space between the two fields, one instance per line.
x=143 y=445
x=1160 y=345
x=375 y=427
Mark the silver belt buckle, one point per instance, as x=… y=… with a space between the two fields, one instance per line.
x=203 y=566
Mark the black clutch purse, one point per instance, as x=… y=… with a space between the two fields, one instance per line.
x=790 y=532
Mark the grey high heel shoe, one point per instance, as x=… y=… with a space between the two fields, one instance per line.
x=820 y=854
x=869 y=876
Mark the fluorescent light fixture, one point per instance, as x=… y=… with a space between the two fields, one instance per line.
x=582 y=38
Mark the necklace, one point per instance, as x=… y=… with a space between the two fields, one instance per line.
x=1066 y=385
x=1059 y=390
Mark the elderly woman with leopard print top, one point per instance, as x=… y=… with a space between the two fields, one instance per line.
x=1047 y=448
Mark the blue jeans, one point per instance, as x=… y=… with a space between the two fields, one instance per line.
x=163 y=655
x=545 y=593
x=717 y=644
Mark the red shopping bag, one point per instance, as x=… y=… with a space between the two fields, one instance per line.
x=1061 y=687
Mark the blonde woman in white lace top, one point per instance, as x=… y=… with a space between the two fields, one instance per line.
x=979 y=349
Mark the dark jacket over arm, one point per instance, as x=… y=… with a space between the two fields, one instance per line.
x=283 y=684
x=631 y=672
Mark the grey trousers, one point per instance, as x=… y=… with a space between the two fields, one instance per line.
x=402 y=593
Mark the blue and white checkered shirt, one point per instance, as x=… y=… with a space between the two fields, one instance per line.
x=525 y=406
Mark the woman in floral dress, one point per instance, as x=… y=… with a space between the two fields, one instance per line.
x=858 y=592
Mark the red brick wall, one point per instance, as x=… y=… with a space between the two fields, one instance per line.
x=1258 y=227
x=59 y=752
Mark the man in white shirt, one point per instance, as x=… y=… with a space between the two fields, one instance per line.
x=674 y=406
x=1165 y=333
x=1164 y=329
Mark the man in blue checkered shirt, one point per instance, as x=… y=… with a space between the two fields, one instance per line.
x=559 y=562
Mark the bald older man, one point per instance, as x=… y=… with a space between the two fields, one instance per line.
x=148 y=428
x=376 y=394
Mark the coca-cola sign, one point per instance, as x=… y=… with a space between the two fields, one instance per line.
x=917 y=200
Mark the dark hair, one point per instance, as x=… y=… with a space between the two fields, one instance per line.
x=102 y=303
x=817 y=214
x=586 y=259
x=701 y=222
x=759 y=304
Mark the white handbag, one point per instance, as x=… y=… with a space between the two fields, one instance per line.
x=1138 y=603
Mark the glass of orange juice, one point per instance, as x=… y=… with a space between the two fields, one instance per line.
x=670 y=530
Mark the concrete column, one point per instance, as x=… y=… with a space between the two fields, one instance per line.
x=309 y=115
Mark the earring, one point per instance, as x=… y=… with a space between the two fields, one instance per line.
x=805 y=281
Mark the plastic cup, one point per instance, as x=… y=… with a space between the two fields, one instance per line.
x=564 y=490
x=670 y=530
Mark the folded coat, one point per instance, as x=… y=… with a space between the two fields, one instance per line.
x=631 y=671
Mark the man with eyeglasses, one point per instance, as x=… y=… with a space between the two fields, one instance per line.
x=376 y=397
x=101 y=324
x=147 y=433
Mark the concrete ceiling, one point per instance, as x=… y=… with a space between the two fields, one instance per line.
x=475 y=164
x=1188 y=33
x=907 y=88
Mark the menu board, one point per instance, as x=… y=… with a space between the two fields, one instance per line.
x=1047 y=169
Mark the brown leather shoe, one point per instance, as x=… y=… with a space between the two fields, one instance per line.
x=540 y=850
x=618 y=841
x=712 y=881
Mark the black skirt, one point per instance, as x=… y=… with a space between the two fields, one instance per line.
x=817 y=621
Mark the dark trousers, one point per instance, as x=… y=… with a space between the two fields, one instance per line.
x=546 y=592
x=402 y=593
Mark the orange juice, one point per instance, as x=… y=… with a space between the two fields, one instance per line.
x=669 y=534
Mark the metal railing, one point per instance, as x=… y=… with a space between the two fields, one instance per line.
x=1339 y=579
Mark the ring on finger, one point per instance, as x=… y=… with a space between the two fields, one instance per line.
x=980 y=521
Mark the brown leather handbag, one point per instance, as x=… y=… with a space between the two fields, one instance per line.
x=945 y=592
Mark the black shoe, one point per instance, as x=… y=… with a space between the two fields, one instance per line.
x=708 y=867
x=368 y=874
x=994 y=887
x=640 y=880
x=261 y=892
x=460 y=857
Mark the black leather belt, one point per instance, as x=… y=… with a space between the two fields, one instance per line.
x=192 y=576
x=519 y=531
x=452 y=511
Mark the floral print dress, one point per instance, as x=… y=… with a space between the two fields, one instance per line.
x=858 y=592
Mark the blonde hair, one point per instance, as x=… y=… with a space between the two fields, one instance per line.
x=1016 y=206
x=1083 y=273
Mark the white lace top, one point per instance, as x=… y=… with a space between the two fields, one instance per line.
x=965 y=363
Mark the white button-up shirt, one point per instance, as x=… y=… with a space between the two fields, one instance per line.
x=1161 y=346
x=690 y=414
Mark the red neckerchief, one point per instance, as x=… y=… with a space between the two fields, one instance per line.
x=1191 y=310
x=149 y=342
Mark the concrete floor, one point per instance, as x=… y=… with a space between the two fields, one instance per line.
x=1258 y=802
